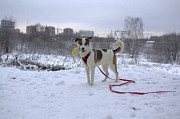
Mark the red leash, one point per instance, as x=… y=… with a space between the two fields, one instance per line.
x=128 y=81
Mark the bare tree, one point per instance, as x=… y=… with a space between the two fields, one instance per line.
x=134 y=28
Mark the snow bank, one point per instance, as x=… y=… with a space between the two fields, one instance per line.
x=40 y=62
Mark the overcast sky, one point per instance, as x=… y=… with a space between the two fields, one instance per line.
x=101 y=16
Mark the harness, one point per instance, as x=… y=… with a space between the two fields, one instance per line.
x=86 y=58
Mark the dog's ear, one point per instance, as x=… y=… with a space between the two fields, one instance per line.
x=77 y=39
x=89 y=38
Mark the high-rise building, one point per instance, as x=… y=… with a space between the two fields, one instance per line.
x=68 y=32
x=50 y=31
x=39 y=27
x=35 y=28
x=84 y=33
x=7 y=24
x=29 y=29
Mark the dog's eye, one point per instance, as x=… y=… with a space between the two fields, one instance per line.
x=86 y=44
x=80 y=43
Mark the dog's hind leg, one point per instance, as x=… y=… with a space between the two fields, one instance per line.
x=114 y=69
x=88 y=77
x=105 y=69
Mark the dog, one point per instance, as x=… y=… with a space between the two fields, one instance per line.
x=92 y=58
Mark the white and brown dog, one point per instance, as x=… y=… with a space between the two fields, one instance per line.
x=92 y=58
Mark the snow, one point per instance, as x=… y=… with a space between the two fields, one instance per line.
x=65 y=94
x=40 y=59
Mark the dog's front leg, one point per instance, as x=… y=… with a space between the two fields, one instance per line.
x=92 y=75
x=88 y=77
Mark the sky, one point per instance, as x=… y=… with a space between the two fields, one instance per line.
x=100 y=16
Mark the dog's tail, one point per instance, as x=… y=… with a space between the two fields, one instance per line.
x=120 y=48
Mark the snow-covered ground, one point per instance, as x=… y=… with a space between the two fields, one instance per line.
x=65 y=95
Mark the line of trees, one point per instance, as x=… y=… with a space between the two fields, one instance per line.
x=40 y=43
x=165 y=49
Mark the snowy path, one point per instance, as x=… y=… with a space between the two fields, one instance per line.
x=65 y=95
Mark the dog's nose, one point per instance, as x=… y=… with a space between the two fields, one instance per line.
x=82 y=48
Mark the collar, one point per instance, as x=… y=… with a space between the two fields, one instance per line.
x=86 y=58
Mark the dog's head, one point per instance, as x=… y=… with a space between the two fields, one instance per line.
x=84 y=44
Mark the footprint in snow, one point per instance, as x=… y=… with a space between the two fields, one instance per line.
x=60 y=83
x=78 y=71
x=108 y=117
x=52 y=94
x=90 y=94
x=132 y=114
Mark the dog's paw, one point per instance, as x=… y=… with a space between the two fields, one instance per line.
x=91 y=84
x=88 y=83
x=103 y=80
x=116 y=81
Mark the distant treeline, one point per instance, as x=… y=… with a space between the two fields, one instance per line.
x=163 y=49
x=40 y=43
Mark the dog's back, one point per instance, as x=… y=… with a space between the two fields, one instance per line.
x=106 y=56
x=103 y=56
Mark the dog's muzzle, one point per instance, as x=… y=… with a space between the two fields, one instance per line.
x=82 y=49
